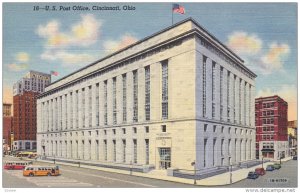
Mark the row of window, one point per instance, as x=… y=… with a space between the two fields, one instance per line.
x=236 y=130
x=231 y=87
x=53 y=108
x=55 y=148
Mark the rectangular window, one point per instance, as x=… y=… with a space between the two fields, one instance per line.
x=105 y=102
x=90 y=105
x=213 y=89
x=228 y=97
x=124 y=81
x=105 y=150
x=147 y=93
x=163 y=128
x=205 y=149
x=114 y=151
x=135 y=96
x=83 y=107
x=114 y=100
x=204 y=86
x=134 y=130
x=97 y=105
x=77 y=107
x=147 y=129
x=124 y=150
x=164 y=89
x=147 y=150
x=134 y=151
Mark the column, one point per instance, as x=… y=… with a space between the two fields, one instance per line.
x=242 y=102
x=224 y=93
x=199 y=84
x=141 y=94
x=217 y=92
x=101 y=104
x=237 y=100
x=231 y=104
x=39 y=117
x=247 y=103
x=129 y=97
x=80 y=114
x=155 y=97
x=119 y=96
x=110 y=101
x=93 y=105
x=74 y=109
x=87 y=108
x=252 y=106
x=209 y=88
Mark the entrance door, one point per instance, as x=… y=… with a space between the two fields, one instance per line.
x=165 y=158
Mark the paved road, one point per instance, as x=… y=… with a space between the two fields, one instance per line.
x=83 y=178
x=287 y=172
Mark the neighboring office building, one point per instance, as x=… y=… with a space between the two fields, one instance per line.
x=174 y=97
x=271 y=127
x=293 y=137
x=24 y=100
x=7 y=126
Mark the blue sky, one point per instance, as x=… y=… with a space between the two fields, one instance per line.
x=263 y=34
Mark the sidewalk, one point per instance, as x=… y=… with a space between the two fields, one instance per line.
x=217 y=180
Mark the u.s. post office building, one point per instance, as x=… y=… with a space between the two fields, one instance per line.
x=170 y=99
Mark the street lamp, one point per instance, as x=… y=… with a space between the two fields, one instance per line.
x=194 y=164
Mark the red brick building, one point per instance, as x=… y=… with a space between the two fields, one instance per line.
x=271 y=127
x=24 y=122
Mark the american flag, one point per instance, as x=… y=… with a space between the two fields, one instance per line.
x=178 y=9
x=54 y=73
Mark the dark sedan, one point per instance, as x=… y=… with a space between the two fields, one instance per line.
x=252 y=175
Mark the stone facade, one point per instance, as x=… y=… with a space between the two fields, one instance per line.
x=99 y=112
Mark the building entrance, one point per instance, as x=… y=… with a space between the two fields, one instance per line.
x=165 y=158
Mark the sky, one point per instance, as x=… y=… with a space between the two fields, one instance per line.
x=264 y=35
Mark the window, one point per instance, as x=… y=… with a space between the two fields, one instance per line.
x=83 y=107
x=147 y=150
x=105 y=102
x=90 y=105
x=204 y=86
x=124 y=130
x=114 y=131
x=205 y=149
x=214 y=128
x=164 y=89
x=147 y=129
x=105 y=149
x=124 y=98
x=163 y=128
x=205 y=127
x=229 y=130
x=114 y=101
x=134 y=130
x=105 y=132
x=222 y=129
x=90 y=133
x=134 y=151
x=97 y=105
x=124 y=150
x=147 y=93
x=135 y=96
x=114 y=151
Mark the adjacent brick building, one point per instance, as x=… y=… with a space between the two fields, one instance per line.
x=271 y=127
x=24 y=108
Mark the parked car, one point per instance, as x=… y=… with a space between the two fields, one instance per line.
x=277 y=166
x=252 y=175
x=295 y=157
x=260 y=171
x=270 y=168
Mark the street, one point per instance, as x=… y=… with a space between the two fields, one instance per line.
x=74 y=177
x=287 y=173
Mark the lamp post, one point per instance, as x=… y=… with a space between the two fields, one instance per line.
x=194 y=164
x=230 y=174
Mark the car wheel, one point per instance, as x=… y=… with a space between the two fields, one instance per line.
x=31 y=174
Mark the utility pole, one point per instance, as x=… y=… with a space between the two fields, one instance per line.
x=230 y=174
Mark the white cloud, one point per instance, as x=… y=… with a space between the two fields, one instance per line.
x=83 y=33
x=287 y=93
x=244 y=43
x=17 y=67
x=22 y=57
x=68 y=59
x=274 y=58
x=115 y=45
